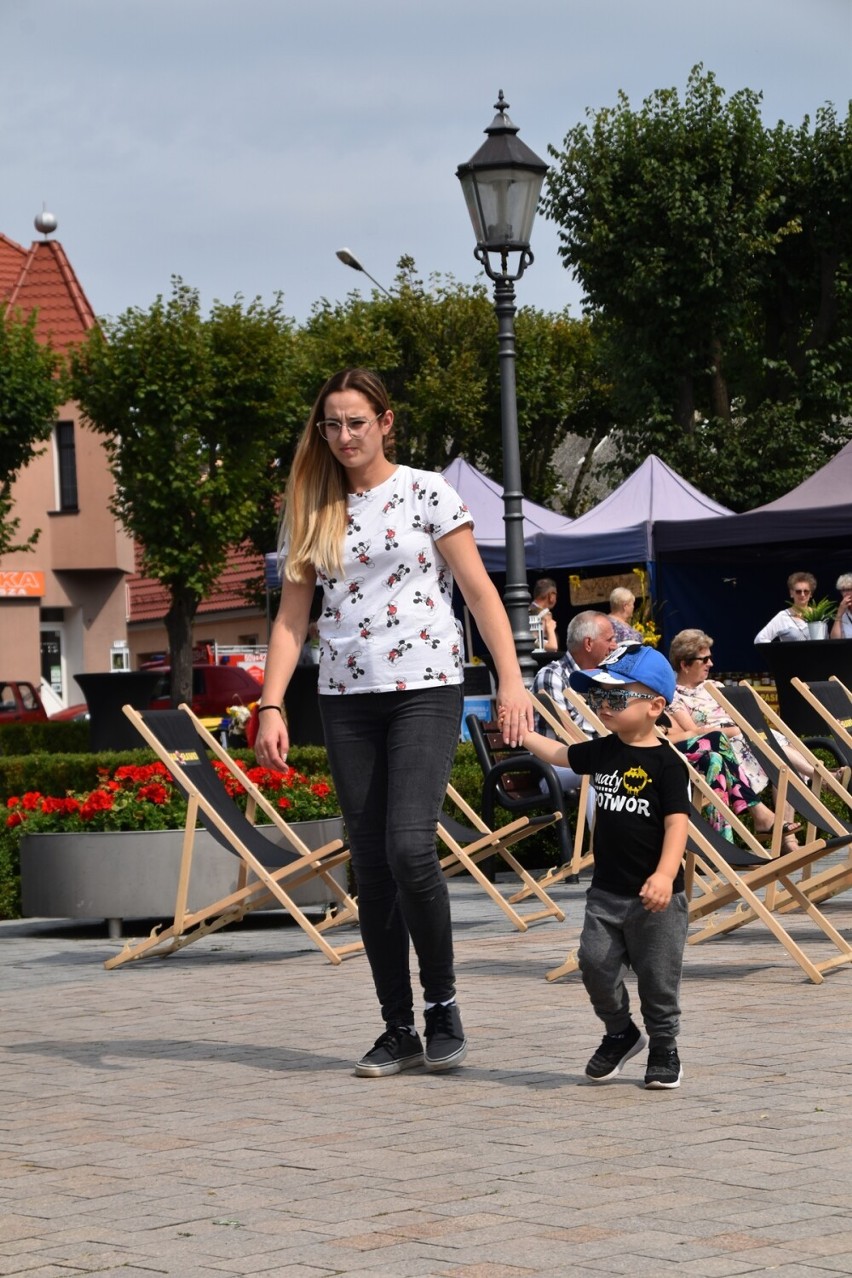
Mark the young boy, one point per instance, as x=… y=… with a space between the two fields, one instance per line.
x=636 y=910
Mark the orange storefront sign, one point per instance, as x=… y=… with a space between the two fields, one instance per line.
x=18 y=582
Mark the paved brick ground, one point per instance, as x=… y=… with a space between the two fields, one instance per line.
x=199 y=1116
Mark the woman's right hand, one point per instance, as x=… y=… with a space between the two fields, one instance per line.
x=273 y=741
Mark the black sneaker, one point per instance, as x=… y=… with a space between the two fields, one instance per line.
x=614 y=1052
x=397 y=1049
x=664 y=1068
x=446 y=1045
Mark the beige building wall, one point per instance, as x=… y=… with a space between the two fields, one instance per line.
x=231 y=629
x=84 y=556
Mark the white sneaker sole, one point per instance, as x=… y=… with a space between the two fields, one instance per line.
x=446 y=1062
x=392 y=1067
x=656 y=1086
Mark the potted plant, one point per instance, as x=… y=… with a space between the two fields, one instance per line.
x=817 y=615
x=113 y=852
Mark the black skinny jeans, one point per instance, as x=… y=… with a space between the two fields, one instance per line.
x=391 y=754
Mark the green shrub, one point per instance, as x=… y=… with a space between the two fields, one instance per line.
x=62 y=737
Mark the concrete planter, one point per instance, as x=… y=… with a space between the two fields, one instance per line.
x=134 y=874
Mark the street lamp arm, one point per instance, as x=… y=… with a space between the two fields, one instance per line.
x=349 y=259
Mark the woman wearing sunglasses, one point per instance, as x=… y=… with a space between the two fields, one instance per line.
x=694 y=705
x=385 y=542
x=789 y=624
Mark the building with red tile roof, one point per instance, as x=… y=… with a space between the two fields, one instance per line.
x=62 y=604
x=78 y=603
x=226 y=616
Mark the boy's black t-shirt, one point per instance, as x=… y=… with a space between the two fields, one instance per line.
x=635 y=788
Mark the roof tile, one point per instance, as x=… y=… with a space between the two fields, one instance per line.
x=47 y=283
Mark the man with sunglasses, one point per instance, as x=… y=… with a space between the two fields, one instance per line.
x=636 y=909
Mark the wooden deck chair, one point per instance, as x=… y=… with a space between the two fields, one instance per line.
x=569 y=734
x=512 y=778
x=469 y=844
x=832 y=701
x=722 y=880
x=267 y=872
x=758 y=721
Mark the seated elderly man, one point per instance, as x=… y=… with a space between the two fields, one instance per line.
x=621 y=604
x=588 y=640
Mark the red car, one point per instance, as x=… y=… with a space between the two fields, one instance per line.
x=20 y=702
x=214 y=689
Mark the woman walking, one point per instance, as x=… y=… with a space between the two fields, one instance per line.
x=385 y=542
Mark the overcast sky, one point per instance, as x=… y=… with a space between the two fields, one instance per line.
x=239 y=143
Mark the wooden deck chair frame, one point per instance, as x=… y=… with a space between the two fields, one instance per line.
x=258 y=885
x=569 y=734
x=841 y=736
x=468 y=845
x=818 y=885
x=717 y=875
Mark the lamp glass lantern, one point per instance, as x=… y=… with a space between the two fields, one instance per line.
x=501 y=184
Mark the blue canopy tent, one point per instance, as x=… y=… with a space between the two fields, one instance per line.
x=484 y=499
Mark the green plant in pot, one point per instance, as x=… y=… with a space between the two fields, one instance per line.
x=819 y=610
x=817 y=615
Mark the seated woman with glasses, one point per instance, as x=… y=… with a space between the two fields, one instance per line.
x=693 y=704
x=789 y=624
x=697 y=716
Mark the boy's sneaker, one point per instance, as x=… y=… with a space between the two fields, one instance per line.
x=397 y=1049
x=614 y=1052
x=446 y=1045
x=664 y=1068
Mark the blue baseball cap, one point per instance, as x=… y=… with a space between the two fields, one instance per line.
x=630 y=663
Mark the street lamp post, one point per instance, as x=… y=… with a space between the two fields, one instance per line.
x=501 y=185
x=349 y=259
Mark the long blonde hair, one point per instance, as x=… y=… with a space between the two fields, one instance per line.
x=313 y=524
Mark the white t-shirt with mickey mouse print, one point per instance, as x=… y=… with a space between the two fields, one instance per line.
x=387 y=624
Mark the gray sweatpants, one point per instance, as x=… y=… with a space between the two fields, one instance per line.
x=618 y=932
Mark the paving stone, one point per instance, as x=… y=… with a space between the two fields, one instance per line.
x=146 y=1104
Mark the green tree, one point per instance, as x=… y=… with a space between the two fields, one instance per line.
x=435 y=346
x=31 y=390
x=715 y=254
x=191 y=411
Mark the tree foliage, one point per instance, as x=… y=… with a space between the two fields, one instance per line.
x=435 y=347
x=190 y=409
x=716 y=254
x=31 y=390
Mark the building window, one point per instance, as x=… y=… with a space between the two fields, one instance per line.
x=66 y=459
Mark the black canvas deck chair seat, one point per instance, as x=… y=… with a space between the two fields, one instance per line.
x=267 y=872
x=469 y=844
x=832 y=701
x=512 y=779
x=759 y=722
x=724 y=882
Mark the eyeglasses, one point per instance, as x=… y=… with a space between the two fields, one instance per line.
x=616 y=698
x=357 y=426
x=704 y=660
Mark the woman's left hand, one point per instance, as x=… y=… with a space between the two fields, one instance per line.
x=514 y=711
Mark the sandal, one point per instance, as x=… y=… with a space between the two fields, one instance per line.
x=789 y=842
